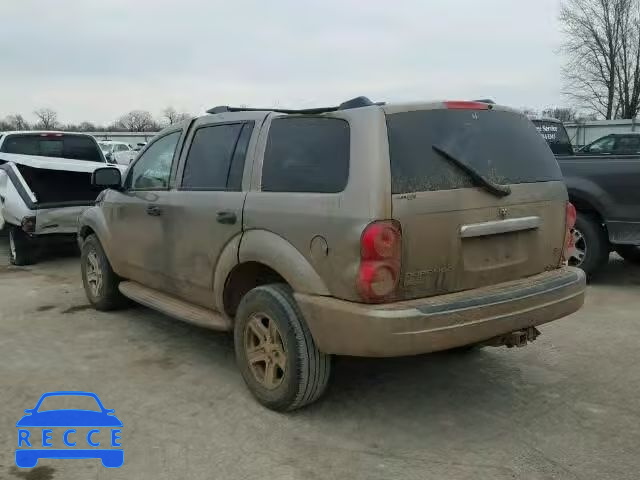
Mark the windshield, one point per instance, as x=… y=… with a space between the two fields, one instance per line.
x=502 y=147
x=69 y=402
x=556 y=136
x=75 y=147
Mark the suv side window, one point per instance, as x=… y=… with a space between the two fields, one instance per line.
x=215 y=157
x=307 y=154
x=604 y=145
x=153 y=168
x=628 y=145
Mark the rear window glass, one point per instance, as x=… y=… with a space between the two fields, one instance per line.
x=75 y=147
x=503 y=147
x=306 y=154
x=555 y=135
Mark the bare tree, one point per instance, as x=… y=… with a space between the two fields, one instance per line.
x=137 y=121
x=564 y=114
x=16 y=122
x=47 y=118
x=628 y=64
x=87 y=127
x=586 y=117
x=603 y=45
x=171 y=116
x=594 y=31
x=529 y=111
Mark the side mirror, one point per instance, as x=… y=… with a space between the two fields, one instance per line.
x=106 y=177
x=28 y=410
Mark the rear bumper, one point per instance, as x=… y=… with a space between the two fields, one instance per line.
x=441 y=322
x=59 y=220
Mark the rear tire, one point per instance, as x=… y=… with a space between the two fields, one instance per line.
x=286 y=370
x=631 y=253
x=99 y=280
x=592 y=244
x=22 y=249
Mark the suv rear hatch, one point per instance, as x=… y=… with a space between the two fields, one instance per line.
x=478 y=194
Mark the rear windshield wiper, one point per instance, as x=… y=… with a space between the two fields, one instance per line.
x=491 y=187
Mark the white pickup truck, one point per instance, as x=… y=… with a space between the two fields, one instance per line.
x=45 y=184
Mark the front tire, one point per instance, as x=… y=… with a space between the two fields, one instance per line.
x=275 y=351
x=591 y=251
x=631 y=253
x=99 y=280
x=22 y=249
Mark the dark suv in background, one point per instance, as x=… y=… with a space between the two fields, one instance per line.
x=603 y=180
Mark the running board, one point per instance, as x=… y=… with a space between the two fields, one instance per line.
x=174 y=307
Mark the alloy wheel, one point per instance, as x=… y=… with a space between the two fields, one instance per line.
x=265 y=351
x=579 y=251
x=94 y=273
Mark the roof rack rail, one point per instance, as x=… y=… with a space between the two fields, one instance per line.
x=353 y=103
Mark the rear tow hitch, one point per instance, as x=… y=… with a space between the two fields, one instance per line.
x=519 y=338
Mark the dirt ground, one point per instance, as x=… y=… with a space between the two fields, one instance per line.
x=565 y=407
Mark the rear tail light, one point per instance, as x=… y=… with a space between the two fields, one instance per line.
x=466 y=105
x=570 y=222
x=380 y=254
x=28 y=224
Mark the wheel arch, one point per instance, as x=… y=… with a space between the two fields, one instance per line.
x=586 y=203
x=84 y=231
x=262 y=257
x=92 y=221
x=588 y=197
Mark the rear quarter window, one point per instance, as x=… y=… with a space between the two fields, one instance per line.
x=307 y=154
x=503 y=147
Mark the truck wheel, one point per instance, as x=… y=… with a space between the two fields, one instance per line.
x=22 y=249
x=631 y=253
x=591 y=251
x=275 y=351
x=99 y=280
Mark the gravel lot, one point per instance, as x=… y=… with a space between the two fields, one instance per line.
x=567 y=406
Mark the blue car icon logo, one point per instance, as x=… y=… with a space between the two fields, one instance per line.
x=84 y=433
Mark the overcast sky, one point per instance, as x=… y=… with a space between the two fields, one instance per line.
x=94 y=60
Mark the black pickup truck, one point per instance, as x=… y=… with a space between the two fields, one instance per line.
x=603 y=180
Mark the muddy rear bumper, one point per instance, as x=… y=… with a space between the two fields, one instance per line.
x=441 y=322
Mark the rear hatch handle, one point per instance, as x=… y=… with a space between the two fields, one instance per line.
x=491 y=187
x=500 y=226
